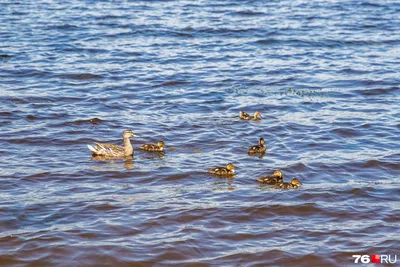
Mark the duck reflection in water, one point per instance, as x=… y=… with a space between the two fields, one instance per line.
x=154 y=155
x=129 y=164
x=226 y=185
x=257 y=155
x=128 y=161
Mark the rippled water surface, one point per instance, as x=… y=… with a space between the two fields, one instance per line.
x=324 y=75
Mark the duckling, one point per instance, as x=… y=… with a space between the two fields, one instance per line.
x=222 y=171
x=245 y=116
x=275 y=178
x=152 y=147
x=258 y=149
x=114 y=151
x=294 y=184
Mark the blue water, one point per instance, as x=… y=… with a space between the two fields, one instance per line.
x=324 y=75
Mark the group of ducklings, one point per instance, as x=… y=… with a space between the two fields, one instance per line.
x=115 y=151
x=275 y=179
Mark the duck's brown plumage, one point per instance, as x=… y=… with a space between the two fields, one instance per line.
x=102 y=149
x=275 y=178
x=294 y=184
x=229 y=170
x=159 y=147
x=245 y=116
x=261 y=148
x=112 y=150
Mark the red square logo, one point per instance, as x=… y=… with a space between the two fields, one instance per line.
x=375 y=258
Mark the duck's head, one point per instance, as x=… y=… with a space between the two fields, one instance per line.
x=230 y=167
x=278 y=174
x=262 y=142
x=128 y=134
x=257 y=115
x=295 y=181
x=160 y=144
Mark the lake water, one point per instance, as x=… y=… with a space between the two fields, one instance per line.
x=324 y=75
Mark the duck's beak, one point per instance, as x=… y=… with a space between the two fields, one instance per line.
x=135 y=135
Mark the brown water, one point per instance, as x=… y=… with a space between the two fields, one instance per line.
x=324 y=75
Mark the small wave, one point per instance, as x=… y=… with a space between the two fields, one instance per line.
x=368 y=26
x=370 y=4
x=105 y=17
x=378 y=91
x=267 y=41
x=284 y=210
x=189 y=29
x=178 y=34
x=345 y=132
x=37 y=176
x=330 y=43
x=375 y=164
x=81 y=76
x=26 y=100
x=5 y=114
x=89 y=121
x=225 y=31
x=5 y=56
x=353 y=71
x=31 y=117
x=249 y=13
x=66 y=27
x=298 y=168
x=170 y=83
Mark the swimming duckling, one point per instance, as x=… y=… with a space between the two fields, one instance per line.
x=222 y=171
x=114 y=151
x=294 y=184
x=258 y=149
x=275 y=178
x=152 y=147
x=245 y=116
